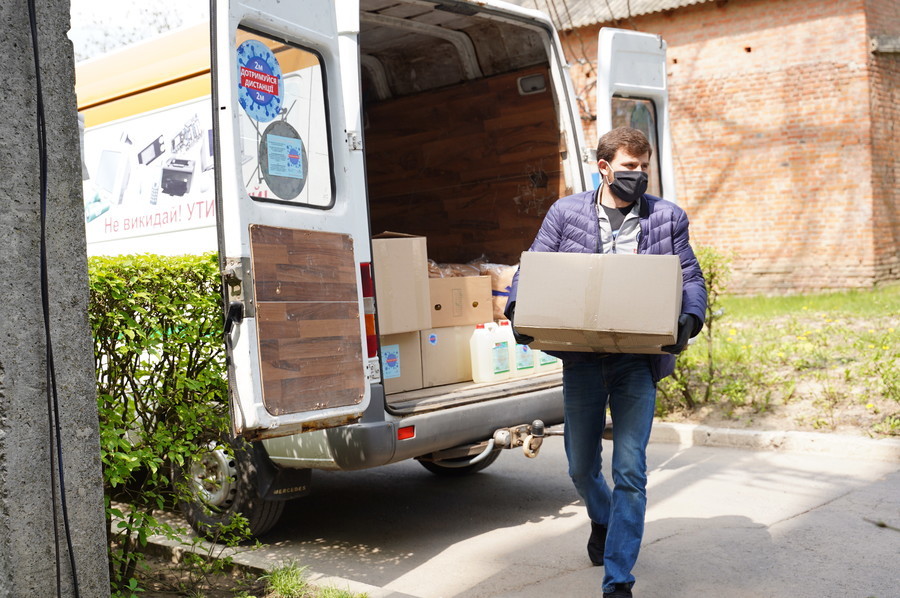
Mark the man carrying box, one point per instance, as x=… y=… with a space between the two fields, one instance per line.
x=617 y=218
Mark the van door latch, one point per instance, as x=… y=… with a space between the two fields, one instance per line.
x=354 y=140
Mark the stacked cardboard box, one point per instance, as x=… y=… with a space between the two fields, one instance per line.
x=460 y=301
x=402 y=295
x=401 y=362
x=445 y=355
x=425 y=323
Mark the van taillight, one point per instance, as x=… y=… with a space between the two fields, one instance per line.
x=368 y=293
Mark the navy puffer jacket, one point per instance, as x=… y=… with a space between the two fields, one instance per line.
x=571 y=226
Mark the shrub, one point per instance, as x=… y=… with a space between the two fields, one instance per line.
x=162 y=392
x=695 y=368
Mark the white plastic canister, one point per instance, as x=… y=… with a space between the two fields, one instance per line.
x=522 y=357
x=490 y=354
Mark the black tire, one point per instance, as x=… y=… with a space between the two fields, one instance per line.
x=458 y=467
x=222 y=484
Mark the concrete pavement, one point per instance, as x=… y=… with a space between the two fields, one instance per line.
x=796 y=520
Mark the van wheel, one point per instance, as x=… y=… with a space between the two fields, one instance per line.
x=221 y=484
x=458 y=467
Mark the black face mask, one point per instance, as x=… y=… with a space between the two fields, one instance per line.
x=628 y=185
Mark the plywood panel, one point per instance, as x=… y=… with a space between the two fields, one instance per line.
x=307 y=316
x=297 y=265
x=474 y=167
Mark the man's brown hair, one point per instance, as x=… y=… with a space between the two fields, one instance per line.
x=631 y=140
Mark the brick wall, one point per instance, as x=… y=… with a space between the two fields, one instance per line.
x=777 y=156
x=884 y=19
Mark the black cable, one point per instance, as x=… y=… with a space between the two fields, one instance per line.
x=42 y=138
x=55 y=429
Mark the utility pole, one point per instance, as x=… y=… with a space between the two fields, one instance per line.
x=52 y=536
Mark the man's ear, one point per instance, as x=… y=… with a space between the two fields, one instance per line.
x=603 y=165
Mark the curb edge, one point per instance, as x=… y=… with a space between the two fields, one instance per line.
x=837 y=445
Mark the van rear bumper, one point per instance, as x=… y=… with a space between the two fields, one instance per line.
x=371 y=444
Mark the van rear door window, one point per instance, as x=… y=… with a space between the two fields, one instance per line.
x=640 y=114
x=285 y=152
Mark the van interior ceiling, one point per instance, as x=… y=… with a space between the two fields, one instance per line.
x=461 y=127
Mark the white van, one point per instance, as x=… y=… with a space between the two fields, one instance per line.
x=447 y=119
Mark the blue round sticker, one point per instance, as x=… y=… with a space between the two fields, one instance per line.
x=432 y=338
x=260 y=90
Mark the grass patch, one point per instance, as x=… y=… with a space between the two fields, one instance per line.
x=289 y=581
x=860 y=302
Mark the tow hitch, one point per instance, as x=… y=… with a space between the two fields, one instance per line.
x=471 y=458
x=529 y=437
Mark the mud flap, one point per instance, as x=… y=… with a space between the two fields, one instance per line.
x=278 y=483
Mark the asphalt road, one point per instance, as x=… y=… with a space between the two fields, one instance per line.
x=721 y=522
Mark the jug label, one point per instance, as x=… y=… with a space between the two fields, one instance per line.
x=524 y=358
x=500 y=355
x=547 y=359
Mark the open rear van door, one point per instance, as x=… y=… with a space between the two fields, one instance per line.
x=632 y=91
x=292 y=224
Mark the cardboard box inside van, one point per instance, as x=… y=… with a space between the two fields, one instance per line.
x=446 y=358
x=460 y=301
x=401 y=357
x=402 y=296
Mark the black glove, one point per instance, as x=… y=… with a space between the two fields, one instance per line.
x=522 y=339
x=686 y=326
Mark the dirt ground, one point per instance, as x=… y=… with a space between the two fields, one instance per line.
x=848 y=419
x=834 y=408
x=163 y=578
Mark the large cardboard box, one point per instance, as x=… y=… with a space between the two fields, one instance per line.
x=600 y=303
x=446 y=358
x=401 y=362
x=460 y=301
x=402 y=299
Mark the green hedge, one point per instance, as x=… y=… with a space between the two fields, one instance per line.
x=162 y=391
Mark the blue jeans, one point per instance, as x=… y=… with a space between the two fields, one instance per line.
x=624 y=382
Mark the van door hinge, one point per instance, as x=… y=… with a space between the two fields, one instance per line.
x=354 y=140
x=238 y=278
